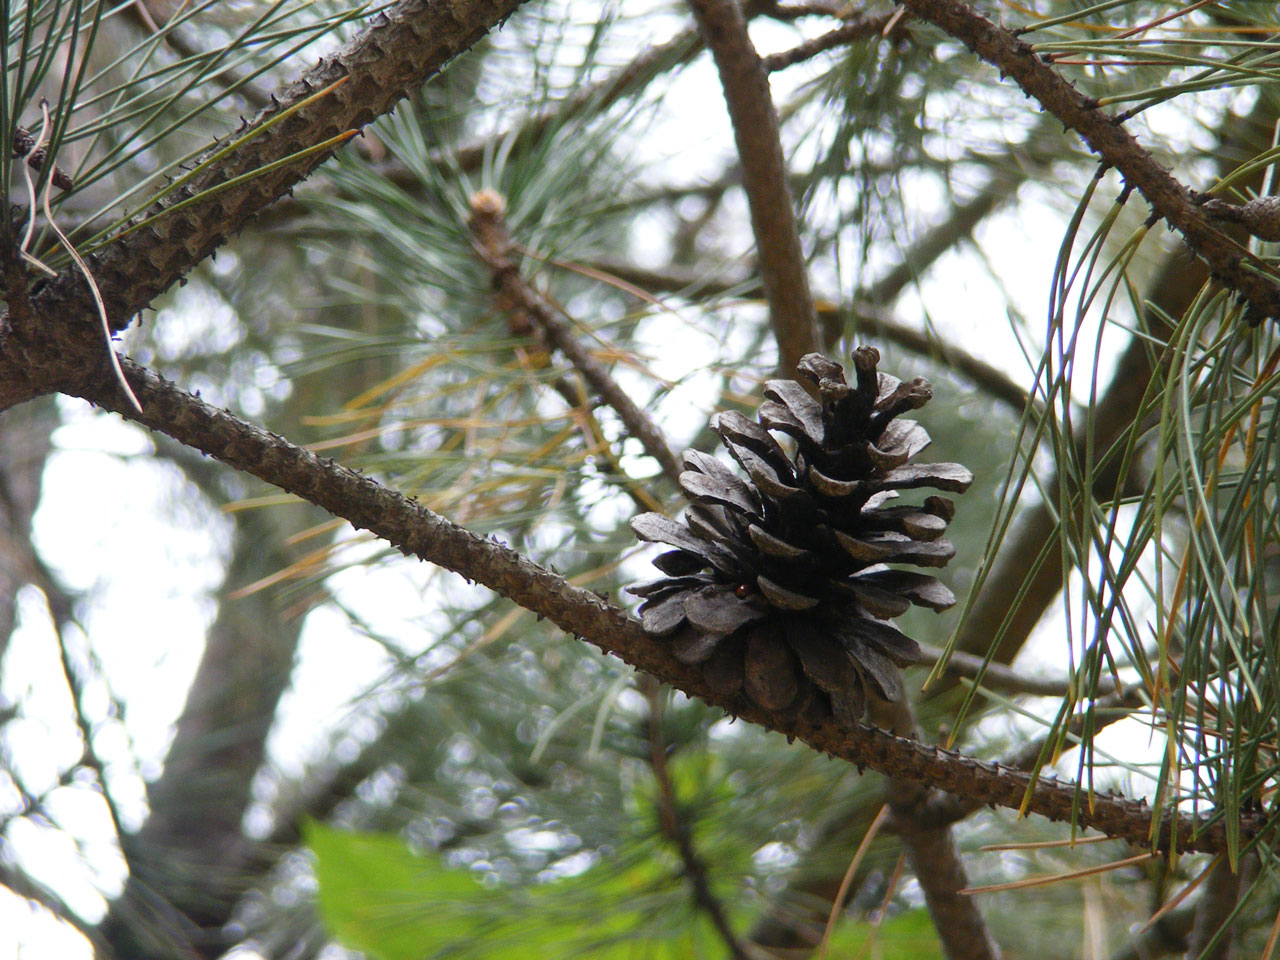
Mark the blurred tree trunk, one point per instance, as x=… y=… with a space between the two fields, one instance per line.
x=185 y=875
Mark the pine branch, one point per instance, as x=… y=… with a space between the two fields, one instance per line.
x=788 y=12
x=997 y=676
x=852 y=32
x=694 y=283
x=780 y=258
x=1230 y=263
x=940 y=872
x=950 y=808
x=494 y=246
x=413 y=529
x=400 y=48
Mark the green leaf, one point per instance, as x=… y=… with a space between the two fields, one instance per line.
x=375 y=895
x=379 y=897
x=907 y=936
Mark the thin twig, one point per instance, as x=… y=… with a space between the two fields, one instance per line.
x=990 y=379
x=788 y=12
x=780 y=257
x=1060 y=877
x=877 y=321
x=493 y=243
x=998 y=676
x=677 y=831
x=841 y=36
x=935 y=860
x=961 y=220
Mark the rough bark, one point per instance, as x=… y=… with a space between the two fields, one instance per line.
x=399 y=49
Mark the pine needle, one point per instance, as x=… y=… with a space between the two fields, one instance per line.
x=847 y=879
x=88 y=275
x=1059 y=877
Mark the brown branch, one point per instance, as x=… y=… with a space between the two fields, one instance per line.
x=677 y=830
x=780 y=257
x=841 y=36
x=627 y=79
x=413 y=529
x=1170 y=200
x=995 y=382
x=631 y=78
x=706 y=282
x=146 y=19
x=940 y=872
x=399 y=49
x=187 y=851
x=997 y=676
x=959 y=225
x=788 y=12
x=949 y=808
x=493 y=244
x=582 y=409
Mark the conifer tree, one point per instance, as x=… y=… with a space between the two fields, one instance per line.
x=424 y=320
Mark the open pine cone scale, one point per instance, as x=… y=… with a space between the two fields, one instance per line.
x=777 y=583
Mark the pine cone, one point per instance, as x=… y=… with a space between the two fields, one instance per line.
x=778 y=583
